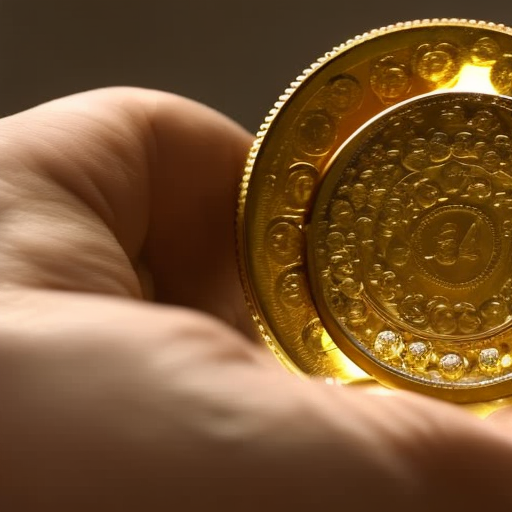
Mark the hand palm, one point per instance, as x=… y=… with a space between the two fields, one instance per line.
x=114 y=402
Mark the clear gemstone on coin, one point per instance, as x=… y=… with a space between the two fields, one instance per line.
x=489 y=361
x=388 y=345
x=418 y=355
x=451 y=366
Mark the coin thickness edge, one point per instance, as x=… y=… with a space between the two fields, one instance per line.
x=370 y=244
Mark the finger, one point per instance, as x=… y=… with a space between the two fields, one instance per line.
x=94 y=185
x=162 y=407
x=502 y=418
x=250 y=421
x=103 y=395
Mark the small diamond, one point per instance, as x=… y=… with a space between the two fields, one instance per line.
x=417 y=349
x=451 y=361
x=418 y=355
x=452 y=366
x=489 y=361
x=388 y=345
x=386 y=337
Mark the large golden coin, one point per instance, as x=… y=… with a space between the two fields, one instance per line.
x=375 y=213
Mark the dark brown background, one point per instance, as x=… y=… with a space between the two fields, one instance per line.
x=237 y=56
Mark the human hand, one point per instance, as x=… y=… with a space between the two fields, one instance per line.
x=127 y=377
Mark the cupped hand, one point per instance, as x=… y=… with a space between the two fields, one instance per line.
x=128 y=380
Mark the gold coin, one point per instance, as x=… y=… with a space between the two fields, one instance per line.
x=374 y=218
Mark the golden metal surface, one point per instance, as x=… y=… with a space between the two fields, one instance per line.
x=375 y=213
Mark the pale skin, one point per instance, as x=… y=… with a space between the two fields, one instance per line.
x=128 y=377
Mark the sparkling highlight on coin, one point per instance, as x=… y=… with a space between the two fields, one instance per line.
x=451 y=366
x=489 y=361
x=388 y=345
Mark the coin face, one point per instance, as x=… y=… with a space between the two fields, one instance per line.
x=375 y=213
x=423 y=266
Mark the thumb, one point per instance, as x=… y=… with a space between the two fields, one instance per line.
x=96 y=187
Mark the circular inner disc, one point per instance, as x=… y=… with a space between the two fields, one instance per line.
x=409 y=244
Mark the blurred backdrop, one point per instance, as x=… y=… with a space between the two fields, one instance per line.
x=234 y=55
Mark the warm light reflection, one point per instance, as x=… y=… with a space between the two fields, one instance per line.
x=347 y=370
x=475 y=79
x=327 y=343
x=484 y=409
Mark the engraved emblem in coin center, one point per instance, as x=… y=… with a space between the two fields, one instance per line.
x=455 y=245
